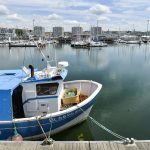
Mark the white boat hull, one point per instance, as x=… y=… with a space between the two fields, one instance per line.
x=32 y=128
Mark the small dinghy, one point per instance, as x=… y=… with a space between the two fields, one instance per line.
x=41 y=103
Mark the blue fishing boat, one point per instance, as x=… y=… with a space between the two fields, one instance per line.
x=34 y=104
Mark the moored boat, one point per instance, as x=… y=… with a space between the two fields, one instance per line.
x=134 y=42
x=97 y=44
x=38 y=103
x=79 y=44
x=145 y=39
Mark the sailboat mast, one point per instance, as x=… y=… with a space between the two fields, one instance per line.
x=147 y=26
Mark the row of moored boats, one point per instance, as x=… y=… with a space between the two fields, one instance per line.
x=88 y=44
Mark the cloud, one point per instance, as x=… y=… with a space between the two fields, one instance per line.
x=49 y=3
x=139 y=4
x=102 y=18
x=68 y=13
x=148 y=9
x=3 y=10
x=54 y=17
x=99 y=9
x=72 y=22
x=8 y=15
x=14 y=17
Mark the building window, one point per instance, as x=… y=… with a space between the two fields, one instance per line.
x=46 y=89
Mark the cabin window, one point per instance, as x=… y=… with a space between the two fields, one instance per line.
x=46 y=89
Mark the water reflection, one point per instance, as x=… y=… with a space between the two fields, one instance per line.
x=124 y=70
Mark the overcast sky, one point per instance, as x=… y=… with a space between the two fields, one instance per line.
x=110 y=14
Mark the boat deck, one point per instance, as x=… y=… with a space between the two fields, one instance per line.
x=74 y=145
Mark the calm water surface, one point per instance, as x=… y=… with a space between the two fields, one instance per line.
x=123 y=105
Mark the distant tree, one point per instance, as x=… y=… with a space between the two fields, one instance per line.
x=19 y=32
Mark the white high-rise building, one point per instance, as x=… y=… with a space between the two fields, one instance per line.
x=96 y=31
x=39 y=31
x=77 y=30
x=58 y=32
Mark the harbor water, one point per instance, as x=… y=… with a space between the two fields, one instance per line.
x=123 y=105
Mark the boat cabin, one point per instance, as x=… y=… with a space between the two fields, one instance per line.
x=42 y=97
x=30 y=97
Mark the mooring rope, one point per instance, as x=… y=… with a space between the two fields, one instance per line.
x=41 y=128
x=50 y=120
x=47 y=140
x=124 y=139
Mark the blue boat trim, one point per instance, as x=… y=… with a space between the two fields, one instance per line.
x=35 y=98
x=39 y=80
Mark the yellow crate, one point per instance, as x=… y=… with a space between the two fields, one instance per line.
x=71 y=99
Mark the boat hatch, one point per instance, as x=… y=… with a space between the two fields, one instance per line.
x=10 y=79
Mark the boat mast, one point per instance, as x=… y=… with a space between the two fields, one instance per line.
x=97 y=31
x=33 y=23
x=147 y=26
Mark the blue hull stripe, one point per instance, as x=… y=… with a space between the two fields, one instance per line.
x=31 y=128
